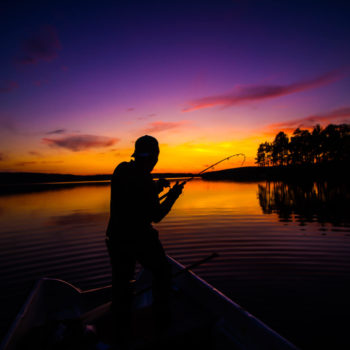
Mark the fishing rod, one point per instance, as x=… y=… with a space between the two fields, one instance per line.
x=209 y=167
x=182 y=271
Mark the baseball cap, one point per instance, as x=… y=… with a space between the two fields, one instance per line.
x=145 y=146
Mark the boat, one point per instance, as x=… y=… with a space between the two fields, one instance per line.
x=58 y=315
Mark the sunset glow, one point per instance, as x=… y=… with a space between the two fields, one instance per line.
x=80 y=82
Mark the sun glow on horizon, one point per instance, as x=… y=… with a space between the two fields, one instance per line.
x=76 y=93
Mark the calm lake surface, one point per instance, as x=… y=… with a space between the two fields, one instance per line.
x=284 y=249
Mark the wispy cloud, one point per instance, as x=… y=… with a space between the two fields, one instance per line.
x=8 y=86
x=32 y=162
x=7 y=123
x=52 y=162
x=130 y=109
x=149 y=116
x=34 y=153
x=26 y=163
x=40 y=82
x=340 y=115
x=57 y=131
x=81 y=142
x=159 y=126
x=1 y=156
x=41 y=46
x=260 y=92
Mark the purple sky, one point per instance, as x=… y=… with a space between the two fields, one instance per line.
x=79 y=83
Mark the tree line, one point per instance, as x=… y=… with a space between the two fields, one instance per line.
x=304 y=147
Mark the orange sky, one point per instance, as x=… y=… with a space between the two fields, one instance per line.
x=76 y=91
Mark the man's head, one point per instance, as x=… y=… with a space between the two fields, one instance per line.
x=146 y=152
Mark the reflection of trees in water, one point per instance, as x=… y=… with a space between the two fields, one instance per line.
x=323 y=202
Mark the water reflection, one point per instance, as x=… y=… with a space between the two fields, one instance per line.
x=322 y=202
x=262 y=261
x=79 y=218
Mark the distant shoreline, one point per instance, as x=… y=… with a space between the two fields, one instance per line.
x=15 y=182
x=14 y=178
x=317 y=172
x=250 y=173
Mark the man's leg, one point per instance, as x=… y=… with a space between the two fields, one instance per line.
x=123 y=267
x=151 y=255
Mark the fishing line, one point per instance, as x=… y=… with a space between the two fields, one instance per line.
x=209 y=167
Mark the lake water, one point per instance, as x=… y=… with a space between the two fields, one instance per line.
x=284 y=250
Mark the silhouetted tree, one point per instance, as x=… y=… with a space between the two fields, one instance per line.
x=317 y=144
x=261 y=155
x=280 y=148
x=331 y=144
x=300 y=147
x=264 y=154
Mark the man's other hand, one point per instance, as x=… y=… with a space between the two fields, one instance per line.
x=161 y=184
x=176 y=190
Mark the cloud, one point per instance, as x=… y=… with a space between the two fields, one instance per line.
x=26 y=163
x=340 y=115
x=41 y=46
x=40 y=82
x=34 y=153
x=1 y=156
x=8 y=86
x=81 y=142
x=162 y=126
x=8 y=124
x=58 y=131
x=149 y=116
x=130 y=109
x=261 y=92
x=52 y=161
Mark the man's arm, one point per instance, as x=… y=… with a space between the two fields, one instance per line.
x=169 y=201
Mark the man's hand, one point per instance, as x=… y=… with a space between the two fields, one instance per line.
x=161 y=183
x=176 y=190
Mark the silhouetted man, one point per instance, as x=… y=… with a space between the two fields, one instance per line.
x=130 y=235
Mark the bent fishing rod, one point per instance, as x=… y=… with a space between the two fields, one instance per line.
x=209 y=167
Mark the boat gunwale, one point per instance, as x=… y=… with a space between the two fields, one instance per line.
x=236 y=306
x=253 y=321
